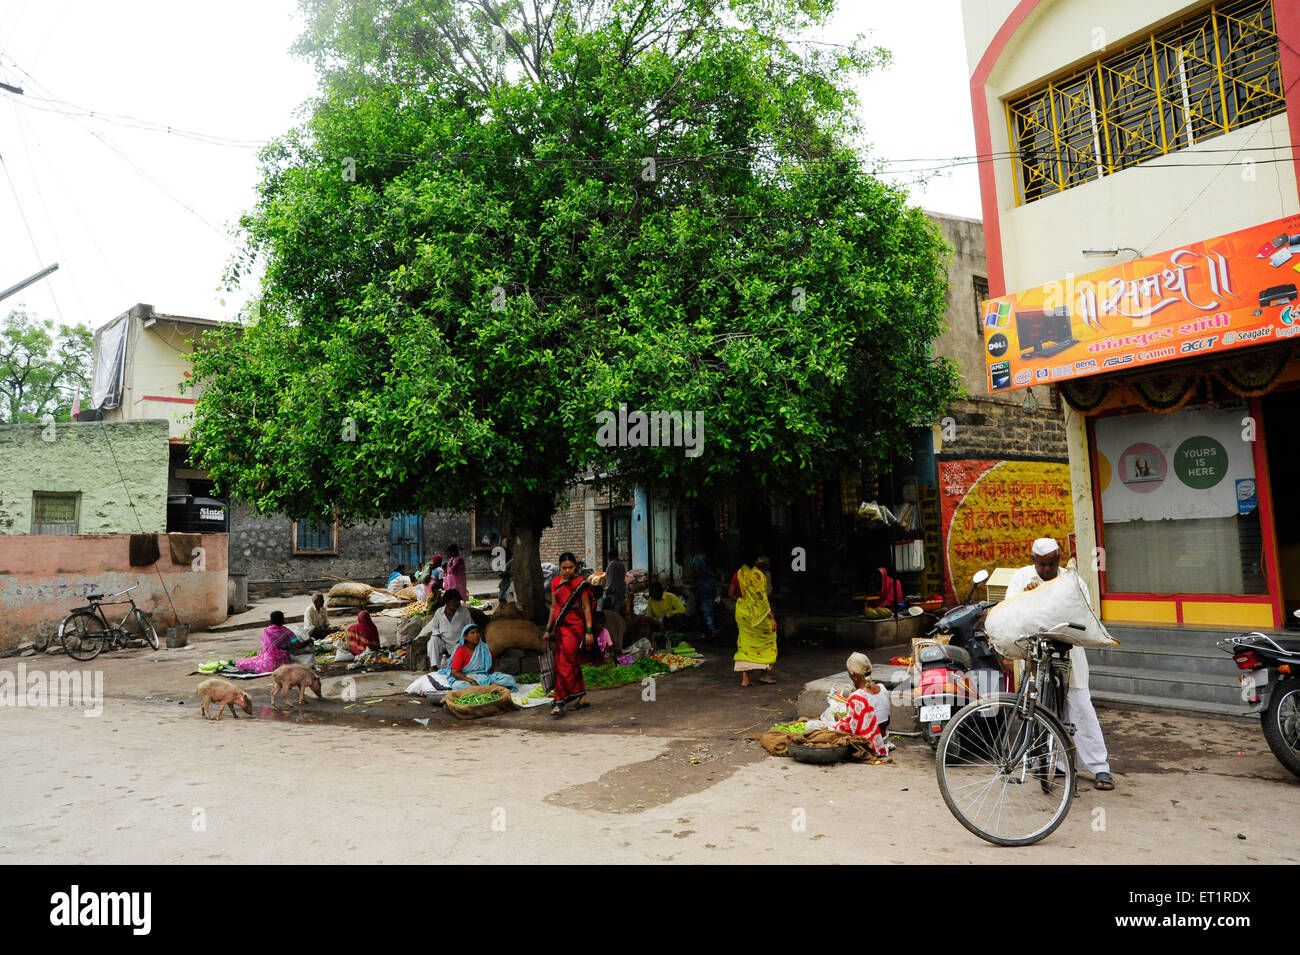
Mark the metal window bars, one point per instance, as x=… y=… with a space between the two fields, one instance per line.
x=1214 y=72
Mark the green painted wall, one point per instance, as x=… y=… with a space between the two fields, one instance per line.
x=110 y=465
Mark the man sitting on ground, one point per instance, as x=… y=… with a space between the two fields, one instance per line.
x=667 y=610
x=444 y=629
x=316 y=618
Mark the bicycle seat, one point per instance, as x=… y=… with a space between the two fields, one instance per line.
x=95 y=597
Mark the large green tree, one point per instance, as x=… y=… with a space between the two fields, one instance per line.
x=500 y=219
x=41 y=367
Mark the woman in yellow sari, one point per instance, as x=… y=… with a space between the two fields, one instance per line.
x=756 y=644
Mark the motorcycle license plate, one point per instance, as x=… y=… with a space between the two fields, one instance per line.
x=936 y=714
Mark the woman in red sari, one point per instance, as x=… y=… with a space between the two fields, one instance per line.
x=363 y=635
x=571 y=631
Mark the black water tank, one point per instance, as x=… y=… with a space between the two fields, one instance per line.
x=187 y=514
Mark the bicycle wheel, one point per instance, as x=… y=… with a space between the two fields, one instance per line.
x=990 y=787
x=144 y=629
x=83 y=635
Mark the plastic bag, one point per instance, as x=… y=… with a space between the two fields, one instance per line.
x=1059 y=600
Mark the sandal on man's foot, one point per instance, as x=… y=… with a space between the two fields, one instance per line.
x=557 y=710
x=1104 y=782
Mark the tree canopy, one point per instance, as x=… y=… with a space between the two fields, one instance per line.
x=41 y=366
x=500 y=221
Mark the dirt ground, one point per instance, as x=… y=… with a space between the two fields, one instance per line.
x=631 y=779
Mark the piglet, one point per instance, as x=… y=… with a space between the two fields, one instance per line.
x=223 y=693
x=291 y=675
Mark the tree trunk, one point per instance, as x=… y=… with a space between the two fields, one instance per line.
x=527 y=517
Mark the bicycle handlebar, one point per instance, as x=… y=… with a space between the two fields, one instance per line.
x=123 y=593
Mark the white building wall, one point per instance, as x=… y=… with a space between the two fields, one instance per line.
x=1144 y=207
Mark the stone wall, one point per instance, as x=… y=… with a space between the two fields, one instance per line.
x=118 y=469
x=1001 y=430
x=962 y=339
x=262 y=547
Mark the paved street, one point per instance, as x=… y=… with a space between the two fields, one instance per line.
x=628 y=780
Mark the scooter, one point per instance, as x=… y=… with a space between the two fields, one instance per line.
x=1271 y=677
x=959 y=671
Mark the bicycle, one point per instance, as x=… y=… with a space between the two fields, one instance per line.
x=995 y=749
x=85 y=631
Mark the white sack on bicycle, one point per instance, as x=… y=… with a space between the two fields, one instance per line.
x=1057 y=601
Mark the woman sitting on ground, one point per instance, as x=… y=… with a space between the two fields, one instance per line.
x=363 y=635
x=275 y=642
x=868 y=704
x=471 y=663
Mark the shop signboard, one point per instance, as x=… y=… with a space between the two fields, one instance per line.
x=1204 y=298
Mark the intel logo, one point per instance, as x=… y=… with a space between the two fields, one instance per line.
x=1245 y=490
x=1024 y=377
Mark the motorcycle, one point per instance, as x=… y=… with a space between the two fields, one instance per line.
x=1270 y=677
x=958 y=671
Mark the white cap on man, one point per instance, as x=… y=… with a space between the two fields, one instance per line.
x=1045 y=547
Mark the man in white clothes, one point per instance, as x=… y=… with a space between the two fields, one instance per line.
x=444 y=628
x=1088 y=741
x=316 y=619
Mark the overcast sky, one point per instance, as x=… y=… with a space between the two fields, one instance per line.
x=137 y=214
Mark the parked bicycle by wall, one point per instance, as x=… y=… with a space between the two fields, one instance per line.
x=86 y=631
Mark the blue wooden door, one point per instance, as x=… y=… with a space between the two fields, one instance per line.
x=406 y=542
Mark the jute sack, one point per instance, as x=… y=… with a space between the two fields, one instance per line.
x=350 y=589
x=509 y=634
x=502 y=704
x=1057 y=601
x=347 y=601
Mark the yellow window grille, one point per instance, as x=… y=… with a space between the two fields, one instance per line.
x=1214 y=72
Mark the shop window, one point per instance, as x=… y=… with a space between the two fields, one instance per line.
x=54 y=513
x=315 y=537
x=1214 y=72
x=1178 y=503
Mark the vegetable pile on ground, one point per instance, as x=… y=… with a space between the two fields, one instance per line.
x=606 y=675
x=684 y=650
x=674 y=661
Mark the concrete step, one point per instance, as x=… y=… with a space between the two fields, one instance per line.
x=1173 y=686
x=1190 y=660
x=1169 y=638
x=1138 y=701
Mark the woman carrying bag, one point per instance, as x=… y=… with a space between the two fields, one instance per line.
x=570 y=629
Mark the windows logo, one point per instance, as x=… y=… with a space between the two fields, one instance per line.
x=998 y=316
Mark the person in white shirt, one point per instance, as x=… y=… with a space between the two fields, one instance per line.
x=1088 y=740
x=316 y=618
x=444 y=629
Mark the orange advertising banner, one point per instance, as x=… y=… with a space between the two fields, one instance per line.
x=1208 y=297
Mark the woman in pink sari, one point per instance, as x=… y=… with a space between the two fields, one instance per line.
x=275 y=641
x=455 y=575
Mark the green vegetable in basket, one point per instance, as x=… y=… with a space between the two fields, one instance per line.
x=476 y=699
x=794 y=728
